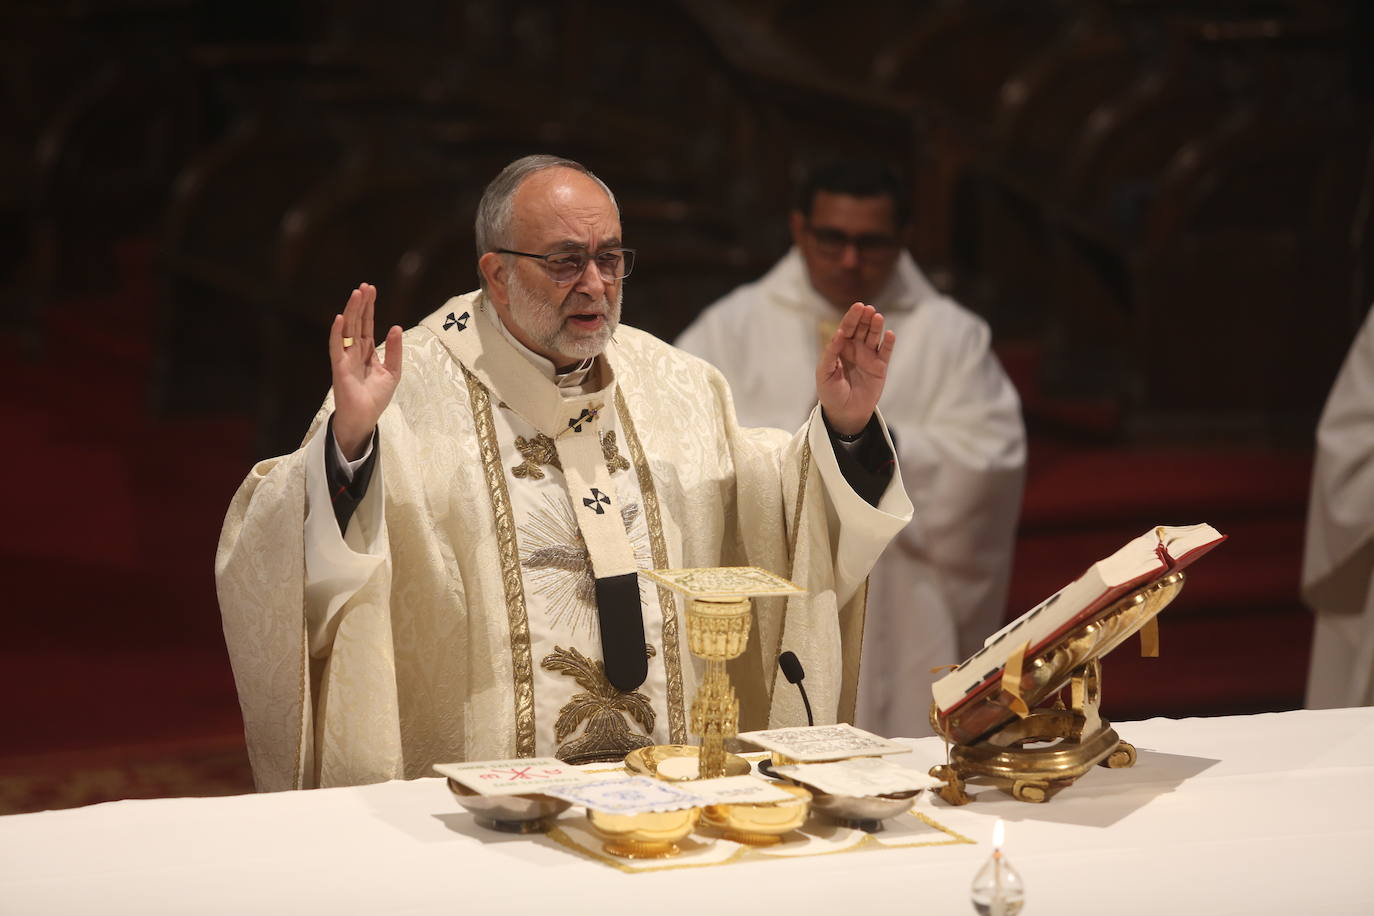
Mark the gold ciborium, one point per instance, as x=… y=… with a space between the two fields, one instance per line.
x=718 y=622
x=647 y=835
x=761 y=823
x=1034 y=754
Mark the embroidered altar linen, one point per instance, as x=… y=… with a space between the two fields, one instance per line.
x=456 y=620
x=824 y=742
x=525 y=776
x=629 y=795
x=737 y=790
x=860 y=776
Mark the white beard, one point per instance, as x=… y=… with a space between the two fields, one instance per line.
x=543 y=322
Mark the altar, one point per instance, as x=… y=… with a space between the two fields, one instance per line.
x=1269 y=813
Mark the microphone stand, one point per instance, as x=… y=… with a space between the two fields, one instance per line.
x=792 y=670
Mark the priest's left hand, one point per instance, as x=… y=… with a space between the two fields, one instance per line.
x=853 y=369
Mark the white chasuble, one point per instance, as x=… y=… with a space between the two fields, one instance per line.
x=457 y=617
x=578 y=516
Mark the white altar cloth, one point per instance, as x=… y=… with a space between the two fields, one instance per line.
x=1246 y=815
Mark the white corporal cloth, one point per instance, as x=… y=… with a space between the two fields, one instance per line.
x=1338 y=563
x=940 y=588
x=1242 y=816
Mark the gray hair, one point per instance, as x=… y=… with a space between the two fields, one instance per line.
x=497 y=208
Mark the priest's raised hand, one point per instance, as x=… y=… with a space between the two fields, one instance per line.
x=363 y=382
x=853 y=369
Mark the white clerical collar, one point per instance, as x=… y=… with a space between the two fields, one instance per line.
x=904 y=290
x=572 y=378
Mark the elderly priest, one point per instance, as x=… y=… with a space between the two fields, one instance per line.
x=446 y=568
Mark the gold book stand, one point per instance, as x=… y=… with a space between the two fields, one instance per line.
x=1028 y=742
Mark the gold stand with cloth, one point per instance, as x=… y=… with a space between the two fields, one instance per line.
x=1041 y=745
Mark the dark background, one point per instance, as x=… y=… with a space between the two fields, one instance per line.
x=1161 y=208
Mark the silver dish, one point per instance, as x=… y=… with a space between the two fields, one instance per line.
x=863 y=812
x=510 y=813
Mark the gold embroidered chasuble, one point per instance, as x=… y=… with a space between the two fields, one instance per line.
x=475 y=635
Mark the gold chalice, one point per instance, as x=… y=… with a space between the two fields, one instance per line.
x=718 y=623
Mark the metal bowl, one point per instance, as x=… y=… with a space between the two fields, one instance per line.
x=863 y=812
x=510 y=813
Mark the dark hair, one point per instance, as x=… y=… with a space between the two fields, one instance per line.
x=856 y=178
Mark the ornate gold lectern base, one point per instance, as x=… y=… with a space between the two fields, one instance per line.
x=1073 y=739
x=1079 y=740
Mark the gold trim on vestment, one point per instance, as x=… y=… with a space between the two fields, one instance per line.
x=848 y=715
x=797 y=514
x=298 y=777
x=667 y=601
x=516 y=615
x=792 y=557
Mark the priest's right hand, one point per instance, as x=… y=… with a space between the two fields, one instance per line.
x=363 y=383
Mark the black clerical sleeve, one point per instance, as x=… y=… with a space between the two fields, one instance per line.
x=865 y=460
x=346 y=494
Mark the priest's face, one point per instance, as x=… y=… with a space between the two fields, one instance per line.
x=558 y=210
x=850 y=246
x=564 y=332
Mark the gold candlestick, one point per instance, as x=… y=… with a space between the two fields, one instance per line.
x=718 y=618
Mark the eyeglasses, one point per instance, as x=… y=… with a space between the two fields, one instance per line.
x=832 y=242
x=563 y=267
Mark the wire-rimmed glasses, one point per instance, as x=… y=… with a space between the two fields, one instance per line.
x=563 y=267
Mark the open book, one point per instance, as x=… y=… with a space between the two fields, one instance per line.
x=1155 y=554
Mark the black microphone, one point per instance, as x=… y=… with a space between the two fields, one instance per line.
x=792 y=670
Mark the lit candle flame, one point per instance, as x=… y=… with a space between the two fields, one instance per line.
x=998 y=834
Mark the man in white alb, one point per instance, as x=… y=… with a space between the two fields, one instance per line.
x=1338 y=563
x=940 y=588
x=447 y=568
